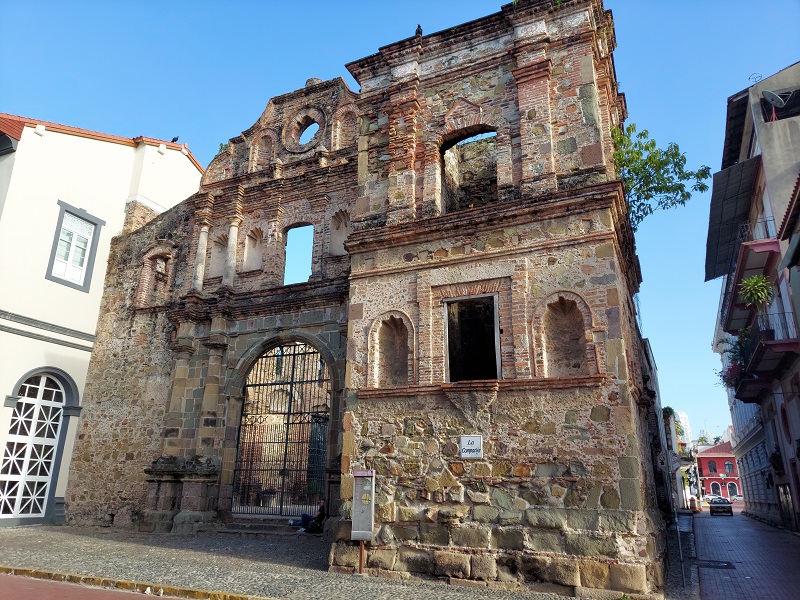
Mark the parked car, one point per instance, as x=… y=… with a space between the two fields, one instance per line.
x=710 y=497
x=737 y=498
x=720 y=506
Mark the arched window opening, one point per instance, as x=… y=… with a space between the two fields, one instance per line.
x=282 y=451
x=712 y=466
x=27 y=465
x=299 y=251
x=469 y=172
x=564 y=340
x=392 y=353
x=308 y=133
x=340 y=229
x=733 y=490
x=265 y=152
x=728 y=467
x=219 y=249
x=253 y=252
x=346 y=131
x=716 y=488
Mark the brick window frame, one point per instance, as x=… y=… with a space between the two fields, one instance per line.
x=155 y=282
x=97 y=224
x=441 y=295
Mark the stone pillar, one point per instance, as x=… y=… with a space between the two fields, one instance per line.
x=230 y=256
x=533 y=88
x=233 y=239
x=275 y=251
x=175 y=417
x=402 y=150
x=203 y=206
x=209 y=414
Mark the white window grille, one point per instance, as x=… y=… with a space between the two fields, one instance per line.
x=27 y=465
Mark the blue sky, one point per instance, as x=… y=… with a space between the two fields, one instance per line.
x=205 y=71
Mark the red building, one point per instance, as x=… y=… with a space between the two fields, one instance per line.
x=718 y=472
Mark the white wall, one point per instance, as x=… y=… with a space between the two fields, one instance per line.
x=97 y=176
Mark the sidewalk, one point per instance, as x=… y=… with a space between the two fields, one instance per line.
x=740 y=558
x=291 y=567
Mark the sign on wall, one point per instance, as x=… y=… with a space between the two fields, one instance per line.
x=471 y=446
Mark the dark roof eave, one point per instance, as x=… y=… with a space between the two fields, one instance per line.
x=731 y=195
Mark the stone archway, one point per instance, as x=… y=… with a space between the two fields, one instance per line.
x=283 y=432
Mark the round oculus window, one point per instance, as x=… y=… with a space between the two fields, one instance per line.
x=305 y=130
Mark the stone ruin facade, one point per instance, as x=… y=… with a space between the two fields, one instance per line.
x=472 y=272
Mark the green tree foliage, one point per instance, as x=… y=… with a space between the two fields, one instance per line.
x=702 y=440
x=679 y=429
x=222 y=148
x=654 y=178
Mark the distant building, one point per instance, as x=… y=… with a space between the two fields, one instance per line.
x=753 y=233
x=717 y=471
x=687 y=428
x=64 y=193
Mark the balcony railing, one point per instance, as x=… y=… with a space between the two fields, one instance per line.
x=749 y=231
x=777 y=326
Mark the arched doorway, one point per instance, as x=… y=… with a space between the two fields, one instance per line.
x=732 y=489
x=281 y=455
x=715 y=488
x=27 y=466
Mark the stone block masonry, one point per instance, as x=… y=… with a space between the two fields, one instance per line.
x=472 y=273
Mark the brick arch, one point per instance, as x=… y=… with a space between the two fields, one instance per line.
x=463 y=120
x=234 y=385
x=150 y=277
x=338 y=117
x=592 y=363
x=257 y=161
x=373 y=353
x=467 y=118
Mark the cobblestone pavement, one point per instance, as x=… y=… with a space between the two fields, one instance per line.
x=740 y=558
x=292 y=568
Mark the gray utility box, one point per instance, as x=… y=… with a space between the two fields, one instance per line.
x=363 y=513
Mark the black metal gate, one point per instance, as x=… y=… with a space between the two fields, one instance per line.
x=281 y=459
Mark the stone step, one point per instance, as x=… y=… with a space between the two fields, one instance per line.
x=259 y=526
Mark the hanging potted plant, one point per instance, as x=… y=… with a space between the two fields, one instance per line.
x=756 y=290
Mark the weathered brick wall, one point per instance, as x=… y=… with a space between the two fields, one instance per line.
x=563 y=494
x=127 y=385
x=176 y=339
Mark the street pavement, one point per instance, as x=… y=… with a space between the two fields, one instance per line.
x=291 y=567
x=757 y=562
x=26 y=588
x=739 y=558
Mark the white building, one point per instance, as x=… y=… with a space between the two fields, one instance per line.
x=687 y=428
x=64 y=193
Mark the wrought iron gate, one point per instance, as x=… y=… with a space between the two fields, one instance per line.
x=280 y=465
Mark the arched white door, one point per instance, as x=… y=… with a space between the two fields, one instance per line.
x=26 y=469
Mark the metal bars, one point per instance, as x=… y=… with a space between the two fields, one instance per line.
x=280 y=466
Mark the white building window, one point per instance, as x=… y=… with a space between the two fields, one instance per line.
x=74 y=247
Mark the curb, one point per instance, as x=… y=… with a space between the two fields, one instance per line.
x=128 y=586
